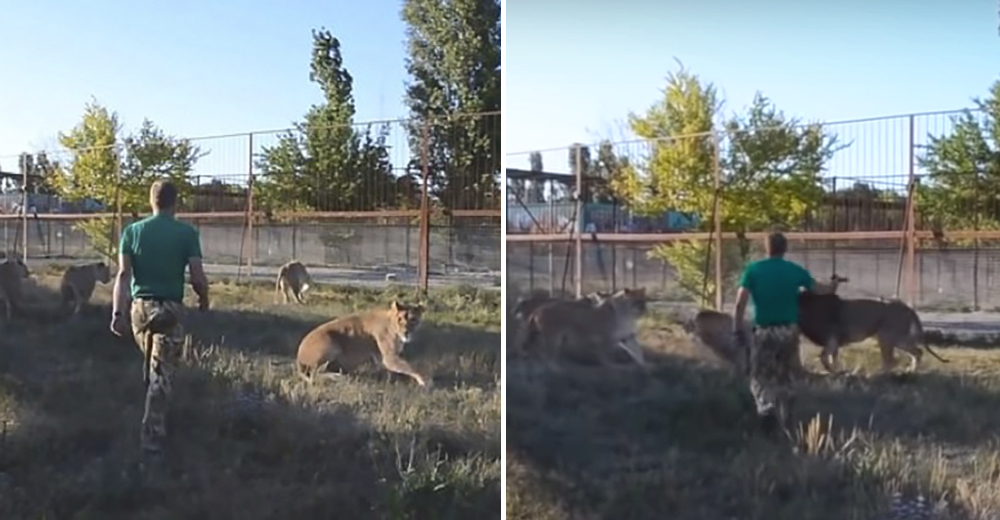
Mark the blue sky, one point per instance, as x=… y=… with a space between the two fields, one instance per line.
x=193 y=68
x=576 y=69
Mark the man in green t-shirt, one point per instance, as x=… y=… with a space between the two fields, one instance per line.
x=154 y=253
x=773 y=284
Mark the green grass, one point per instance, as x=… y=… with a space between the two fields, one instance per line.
x=683 y=443
x=248 y=439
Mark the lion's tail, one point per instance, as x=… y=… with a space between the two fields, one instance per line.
x=918 y=330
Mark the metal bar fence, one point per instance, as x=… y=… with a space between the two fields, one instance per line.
x=889 y=217
x=260 y=199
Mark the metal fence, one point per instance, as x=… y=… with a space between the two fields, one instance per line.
x=425 y=204
x=892 y=221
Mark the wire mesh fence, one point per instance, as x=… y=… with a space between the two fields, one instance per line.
x=884 y=202
x=406 y=200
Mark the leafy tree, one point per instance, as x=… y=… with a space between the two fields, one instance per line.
x=106 y=169
x=770 y=171
x=454 y=68
x=536 y=189
x=963 y=170
x=325 y=164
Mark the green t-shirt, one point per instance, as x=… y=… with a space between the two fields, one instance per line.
x=160 y=247
x=774 y=285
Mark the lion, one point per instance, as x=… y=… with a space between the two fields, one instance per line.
x=526 y=306
x=561 y=326
x=831 y=321
x=828 y=321
x=349 y=341
x=78 y=282
x=714 y=330
x=293 y=277
x=13 y=272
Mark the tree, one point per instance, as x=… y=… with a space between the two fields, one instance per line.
x=107 y=169
x=536 y=189
x=454 y=67
x=770 y=171
x=963 y=170
x=325 y=164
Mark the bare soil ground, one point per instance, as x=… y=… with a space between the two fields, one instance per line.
x=683 y=442
x=248 y=438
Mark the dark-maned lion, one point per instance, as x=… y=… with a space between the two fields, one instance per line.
x=376 y=335
x=562 y=326
x=78 y=282
x=831 y=322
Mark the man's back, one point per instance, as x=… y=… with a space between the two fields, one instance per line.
x=160 y=247
x=774 y=287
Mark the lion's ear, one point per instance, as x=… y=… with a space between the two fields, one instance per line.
x=394 y=305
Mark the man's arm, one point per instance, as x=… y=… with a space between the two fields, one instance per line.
x=199 y=282
x=742 y=296
x=815 y=286
x=120 y=292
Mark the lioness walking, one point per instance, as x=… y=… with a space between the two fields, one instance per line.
x=773 y=284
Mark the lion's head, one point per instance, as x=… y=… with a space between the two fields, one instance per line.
x=406 y=319
x=102 y=272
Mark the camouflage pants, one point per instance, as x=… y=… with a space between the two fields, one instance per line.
x=773 y=354
x=167 y=341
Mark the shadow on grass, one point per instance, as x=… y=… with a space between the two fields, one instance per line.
x=683 y=442
x=239 y=447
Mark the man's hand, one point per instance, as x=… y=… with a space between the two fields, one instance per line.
x=118 y=325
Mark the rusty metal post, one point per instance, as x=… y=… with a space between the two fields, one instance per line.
x=578 y=265
x=911 y=226
x=975 y=251
x=246 y=218
x=833 y=223
x=24 y=213
x=718 y=220
x=251 y=251
x=423 y=272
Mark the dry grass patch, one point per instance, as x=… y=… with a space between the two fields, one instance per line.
x=248 y=438
x=682 y=442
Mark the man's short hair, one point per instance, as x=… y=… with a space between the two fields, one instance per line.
x=777 y=244
x=163 y=194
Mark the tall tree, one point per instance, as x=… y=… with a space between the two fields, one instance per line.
x=536 y=189
x=454 y=68
x=105 y=168
x=770 y=171
x=963 y=168
x=325 y=163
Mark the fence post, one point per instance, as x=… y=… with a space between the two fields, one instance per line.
x=911 y=225
x=248 y=218
x=718 y=220
x=423 y=272
x=975 y=251
x=835 y=203
x=578 y=265
x=24 y=214
x=250 y=211
x=116 y=226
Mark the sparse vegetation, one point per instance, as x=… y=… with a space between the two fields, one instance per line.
x=248 y=439
x=682 y=443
